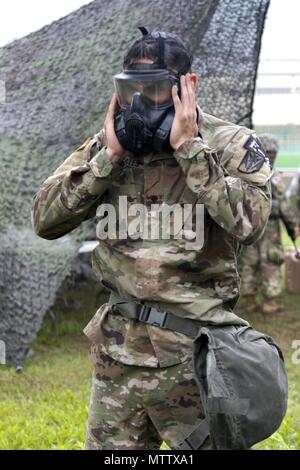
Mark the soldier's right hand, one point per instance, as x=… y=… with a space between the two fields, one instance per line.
x=114 y=149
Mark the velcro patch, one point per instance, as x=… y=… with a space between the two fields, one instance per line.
x=254 y=158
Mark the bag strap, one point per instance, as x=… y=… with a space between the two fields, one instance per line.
x=150 y=315
x=196 y=438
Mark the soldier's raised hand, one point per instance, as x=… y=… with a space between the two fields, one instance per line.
x=185 y=120
x=114 y=149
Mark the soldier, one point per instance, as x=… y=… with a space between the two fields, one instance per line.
x=293 y=193
x=261 y=261
x=157 y=147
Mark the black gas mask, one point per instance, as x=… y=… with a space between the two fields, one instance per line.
x=146 y=114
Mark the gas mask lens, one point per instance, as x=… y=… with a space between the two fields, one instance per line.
x=156 y=91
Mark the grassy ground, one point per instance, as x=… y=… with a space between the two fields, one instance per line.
x=287 y=161
x=45 y=407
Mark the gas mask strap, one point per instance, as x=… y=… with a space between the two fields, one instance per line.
x=143 y=30
x=161 y=45
x=161 y=53
x=161 y=141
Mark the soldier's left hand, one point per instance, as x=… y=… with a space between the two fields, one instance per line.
x=185 y=120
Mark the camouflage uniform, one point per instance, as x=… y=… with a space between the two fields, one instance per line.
x=135 y=407
x=260 y=262
x=293 y=194
x=150 y=373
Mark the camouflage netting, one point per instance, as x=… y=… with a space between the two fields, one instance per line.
x=58 y=83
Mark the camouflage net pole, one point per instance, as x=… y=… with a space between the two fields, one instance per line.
x=55 y=85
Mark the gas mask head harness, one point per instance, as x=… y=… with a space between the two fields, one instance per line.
x=143 y=123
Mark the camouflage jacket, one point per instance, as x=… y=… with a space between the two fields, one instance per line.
x=226 y=171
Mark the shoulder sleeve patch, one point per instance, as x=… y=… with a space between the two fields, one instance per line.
x=245 y=158
x=254 y=158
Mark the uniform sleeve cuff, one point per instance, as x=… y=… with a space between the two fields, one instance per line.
x=101 y=165
x=191 y=148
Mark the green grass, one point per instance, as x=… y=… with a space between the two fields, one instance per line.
x=288 y=161
x=45 y=406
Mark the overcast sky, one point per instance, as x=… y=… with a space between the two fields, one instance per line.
x=20 y=17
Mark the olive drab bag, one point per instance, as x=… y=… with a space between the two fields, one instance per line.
x=243 y=384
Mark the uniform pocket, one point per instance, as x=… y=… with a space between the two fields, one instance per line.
x=93 y=328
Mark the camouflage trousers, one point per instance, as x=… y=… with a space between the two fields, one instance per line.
x=134 y=407
x=259 y=274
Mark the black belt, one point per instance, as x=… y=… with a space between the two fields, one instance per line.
x=150 y=315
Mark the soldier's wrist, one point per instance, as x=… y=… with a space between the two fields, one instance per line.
x=114 y=158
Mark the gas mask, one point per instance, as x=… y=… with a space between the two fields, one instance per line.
x=146 y=114
x=144 y=121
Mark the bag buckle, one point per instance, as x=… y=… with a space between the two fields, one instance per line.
x=185 y=445
x=152 y=316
